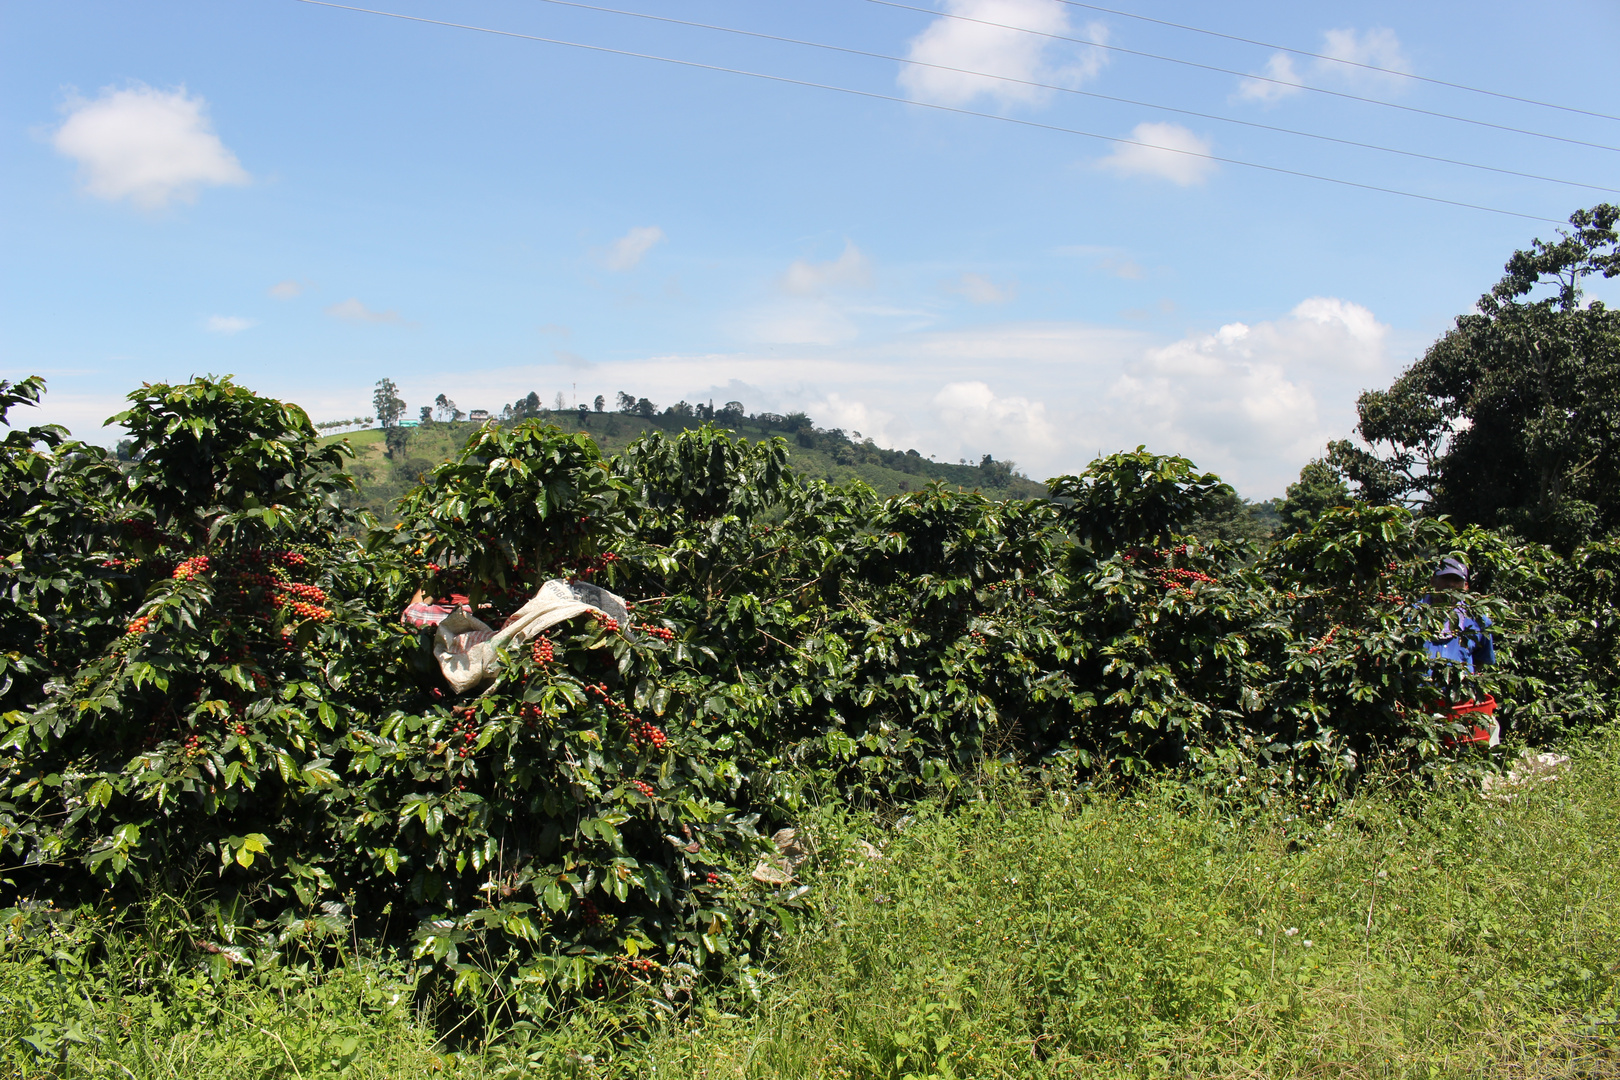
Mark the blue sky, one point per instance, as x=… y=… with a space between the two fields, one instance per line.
x=313 y=199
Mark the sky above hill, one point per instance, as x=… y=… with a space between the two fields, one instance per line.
x=313 y=198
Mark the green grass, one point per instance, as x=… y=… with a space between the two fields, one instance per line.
x=1020 y=932
x=1140 y=936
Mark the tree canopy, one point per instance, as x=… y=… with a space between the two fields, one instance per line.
x=1512 y=418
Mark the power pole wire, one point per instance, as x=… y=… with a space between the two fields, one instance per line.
x=873 y=95
x=1082 y=93
x=932 y=13
x=1339 y=60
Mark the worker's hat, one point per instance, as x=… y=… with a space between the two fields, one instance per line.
x=1452 y=568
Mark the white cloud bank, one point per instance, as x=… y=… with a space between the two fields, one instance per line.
x=627 y=251
x=1167 y=151
x=150 y=146
x=996 y=45
x=1256 y=401
x=1342 y=53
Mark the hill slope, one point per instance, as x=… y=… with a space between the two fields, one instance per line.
x=815 y=454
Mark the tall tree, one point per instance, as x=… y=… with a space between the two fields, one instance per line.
x=387 y=403
x=1512 y=419
x=1320 y=487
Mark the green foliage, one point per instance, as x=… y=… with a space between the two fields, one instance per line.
x=209 y=682
x=1320 y=487
x=1134 y=499
x=1509 y=419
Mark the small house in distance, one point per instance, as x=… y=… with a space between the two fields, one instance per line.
x=478 y=416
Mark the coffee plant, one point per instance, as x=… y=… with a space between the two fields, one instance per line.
x=207 y=688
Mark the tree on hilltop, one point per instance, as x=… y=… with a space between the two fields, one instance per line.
x=387 y=403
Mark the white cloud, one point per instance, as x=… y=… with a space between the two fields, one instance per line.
x=999 y=50
x=1168 y=151
x=1004 y=426
x=1255 y=402
x=1279 y=68
x=1342 y=52
x=850 y=270
x=287 y=290
x=627 y=251
x=149 y=146
x=352 y=310
x=229 y=324
x=1378 y=47
x=981 y=290
x=837 y=410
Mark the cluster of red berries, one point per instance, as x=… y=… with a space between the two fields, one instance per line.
x=1390 y=598
x=312 y=593
x=304 y=600
x=1133 y=553
x=642 y=786
x=643 y=734
x=641 y=964
x=662 y=633
x=260 y=680
x=138 y=625
x=192 y=748
x=310 y=611
x=713 y=878
x=1172 y=577
x=593 y=917
x=465 y=728
x=588 y=567
x=1327 y=639
x=978 y=638
x=542 y=650
x=606 y=621
x=191 y=568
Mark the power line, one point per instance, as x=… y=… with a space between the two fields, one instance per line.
x=1082 y=93
x=1245 y=75
x=1338 y=60
x=873 y=95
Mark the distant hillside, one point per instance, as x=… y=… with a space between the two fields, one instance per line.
x=815 y=453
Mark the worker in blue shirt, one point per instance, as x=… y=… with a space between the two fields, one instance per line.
x=1466 y=640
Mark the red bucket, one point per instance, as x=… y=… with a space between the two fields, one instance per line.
x=1463 y=714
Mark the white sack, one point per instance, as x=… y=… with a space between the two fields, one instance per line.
x=466 y=647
